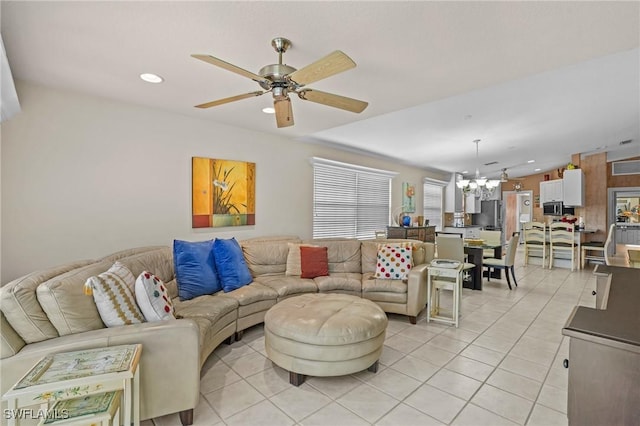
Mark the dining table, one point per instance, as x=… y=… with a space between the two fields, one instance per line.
x=475 y=256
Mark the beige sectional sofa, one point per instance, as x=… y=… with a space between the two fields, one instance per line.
x=47 y=311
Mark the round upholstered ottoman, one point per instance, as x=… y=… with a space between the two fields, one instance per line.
x=323 y=334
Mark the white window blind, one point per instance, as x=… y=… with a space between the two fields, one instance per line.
x=349 y=201
x=433 y=193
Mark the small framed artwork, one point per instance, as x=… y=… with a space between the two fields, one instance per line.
x=408 y=197
x=223 y=193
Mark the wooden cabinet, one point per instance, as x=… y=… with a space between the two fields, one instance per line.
x=551 y=190
x=573 y=188
x=422 y=233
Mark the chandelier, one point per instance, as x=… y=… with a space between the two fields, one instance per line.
x=481 y=187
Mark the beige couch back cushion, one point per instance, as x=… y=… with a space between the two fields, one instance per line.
x=422 y=252
x=10 y=341
x=63 y=299
x=19 y=303
x=267 y=256
x=344 y=254
x=158 y=261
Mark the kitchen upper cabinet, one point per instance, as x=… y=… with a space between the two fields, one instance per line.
x=573 y=188
x=453 y=196
x=551 y=190
x=472 y=204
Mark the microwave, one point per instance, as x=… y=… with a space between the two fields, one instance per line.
x=556 y=208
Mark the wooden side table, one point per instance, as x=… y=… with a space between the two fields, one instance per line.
x=67 y=375
x=444 y=277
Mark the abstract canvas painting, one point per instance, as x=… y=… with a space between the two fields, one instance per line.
x=223 y=193
x=408 y=197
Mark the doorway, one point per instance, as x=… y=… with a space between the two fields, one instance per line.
x=517 y=211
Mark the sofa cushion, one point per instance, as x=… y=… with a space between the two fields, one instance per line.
x=371 y=284
x=313 y=262
x=19 y=303
x=158 y=261
x=340 y=282
x=207 y=306
x=343 y=254
x=152 y=298
x=10 y=341
x=230 y=264
x=63 y=300
x=252 y=293
x=294 y=259
x=287 y=286
x=112 y=292
x=267 y=256
x=195 y=268
x=394 y=261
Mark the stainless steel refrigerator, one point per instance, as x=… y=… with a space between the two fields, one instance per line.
x=490 y=216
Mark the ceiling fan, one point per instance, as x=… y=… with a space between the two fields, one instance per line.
x=281 y=80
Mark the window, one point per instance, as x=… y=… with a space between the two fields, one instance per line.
x=349 y=201
x=433 y=192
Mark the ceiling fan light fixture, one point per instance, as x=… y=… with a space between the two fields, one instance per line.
x=151 y=78
x=504 y=177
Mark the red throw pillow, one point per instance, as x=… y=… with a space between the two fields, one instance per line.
x=314 y=262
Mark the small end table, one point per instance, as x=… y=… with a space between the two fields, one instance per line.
x=67 y=375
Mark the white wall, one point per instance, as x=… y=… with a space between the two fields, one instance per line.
x=84 y=176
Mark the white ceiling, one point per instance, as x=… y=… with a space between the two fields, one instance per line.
x=532 y=80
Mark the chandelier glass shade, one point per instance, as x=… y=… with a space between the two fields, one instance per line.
x=481 y=187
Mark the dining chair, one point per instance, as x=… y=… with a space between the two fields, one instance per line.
x=597 y=251
x=451 y=246
x=506 y=262
x=492 y=238
x=535 y=242
x=562 y=240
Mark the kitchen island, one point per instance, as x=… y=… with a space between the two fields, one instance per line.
x=604 y=352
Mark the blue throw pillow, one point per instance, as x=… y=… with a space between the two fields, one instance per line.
x=195 y=268
x=232 y=269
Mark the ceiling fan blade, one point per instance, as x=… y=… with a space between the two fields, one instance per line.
x=336 y=101
x=331 y=64
x=230 y=99
x=230 y=67
x=284 y=112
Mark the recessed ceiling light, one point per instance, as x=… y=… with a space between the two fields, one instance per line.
x=536 y=170
x=465 y=172
x=531 y=161
x=268 y=110
x=151 y=78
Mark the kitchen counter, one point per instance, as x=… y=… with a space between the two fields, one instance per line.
x=620 y=320
x=604 y=353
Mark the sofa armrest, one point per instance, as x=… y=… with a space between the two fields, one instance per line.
x=417 y=290
x=169 y=365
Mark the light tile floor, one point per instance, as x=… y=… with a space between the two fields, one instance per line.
x=502 y=366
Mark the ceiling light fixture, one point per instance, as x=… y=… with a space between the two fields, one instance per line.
x=536 y=170
x=531 y=161
x=504 y=177
x=269 y=110
x=151 y=78
x=479 y=186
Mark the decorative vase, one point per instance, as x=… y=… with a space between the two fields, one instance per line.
x=406 y=221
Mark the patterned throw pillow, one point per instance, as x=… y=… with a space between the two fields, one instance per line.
x=394 y=261
x=113 y=293
x=152 y=298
